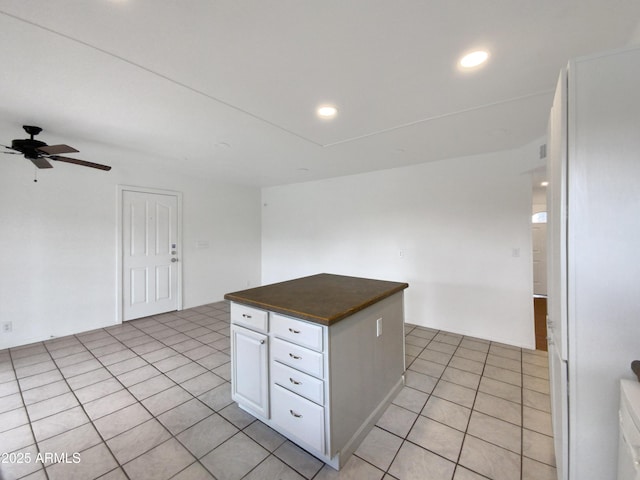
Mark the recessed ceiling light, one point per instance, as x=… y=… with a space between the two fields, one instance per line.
x=544 y=184
x=474 y=59
x=327 y=111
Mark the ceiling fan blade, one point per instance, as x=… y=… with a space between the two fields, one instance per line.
x=56 y=149
x=41 y=162
x=80 y=162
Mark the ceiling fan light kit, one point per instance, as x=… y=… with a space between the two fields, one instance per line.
x=40 y=153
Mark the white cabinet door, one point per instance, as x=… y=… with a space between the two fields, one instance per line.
x=250 y=369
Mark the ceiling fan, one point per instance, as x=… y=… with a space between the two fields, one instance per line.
x=40 y=153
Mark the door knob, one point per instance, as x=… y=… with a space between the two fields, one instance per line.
x=174 y=260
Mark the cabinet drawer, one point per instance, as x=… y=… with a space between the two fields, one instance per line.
x=249 y=317
x=297 y=331
x=298 y=382
x=297 y=416
x=298 y=357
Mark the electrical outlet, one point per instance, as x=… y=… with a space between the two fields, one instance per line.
x=7 y=327
x=378 y=327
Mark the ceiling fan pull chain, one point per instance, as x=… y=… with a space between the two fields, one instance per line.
x=35 y=174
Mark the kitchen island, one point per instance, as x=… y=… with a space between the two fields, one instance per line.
x=318 y=358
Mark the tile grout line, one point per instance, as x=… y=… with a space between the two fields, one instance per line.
x=522 y=387
x=156 y=417
x=153 y=416
x=203 y=322
x=405 y=439
x=214 y=412
x=66 y=380
x=475 y=397
x=92 y=421
x=35 y=442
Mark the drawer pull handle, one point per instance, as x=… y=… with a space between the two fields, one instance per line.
x=295 y=382
x=294 y=331
x=297 y=415
x=244 y=315
x=295 y=357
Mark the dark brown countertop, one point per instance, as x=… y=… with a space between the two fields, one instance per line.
x=322 y=298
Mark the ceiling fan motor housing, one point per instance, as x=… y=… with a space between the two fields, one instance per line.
x=28 y=147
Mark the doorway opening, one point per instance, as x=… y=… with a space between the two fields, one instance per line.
x=539 y=245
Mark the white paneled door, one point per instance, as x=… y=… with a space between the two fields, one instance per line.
x=150 y=253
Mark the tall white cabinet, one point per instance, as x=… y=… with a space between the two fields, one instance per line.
x=593 y=256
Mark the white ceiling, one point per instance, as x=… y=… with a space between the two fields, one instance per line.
x=228 y=89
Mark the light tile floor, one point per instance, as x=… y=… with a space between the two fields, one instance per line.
x=150 y=399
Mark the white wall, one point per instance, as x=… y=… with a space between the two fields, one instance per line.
x=448 y=228
x=456 y=223
x=58 y=240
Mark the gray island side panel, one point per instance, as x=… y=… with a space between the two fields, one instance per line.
x=366 y=370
